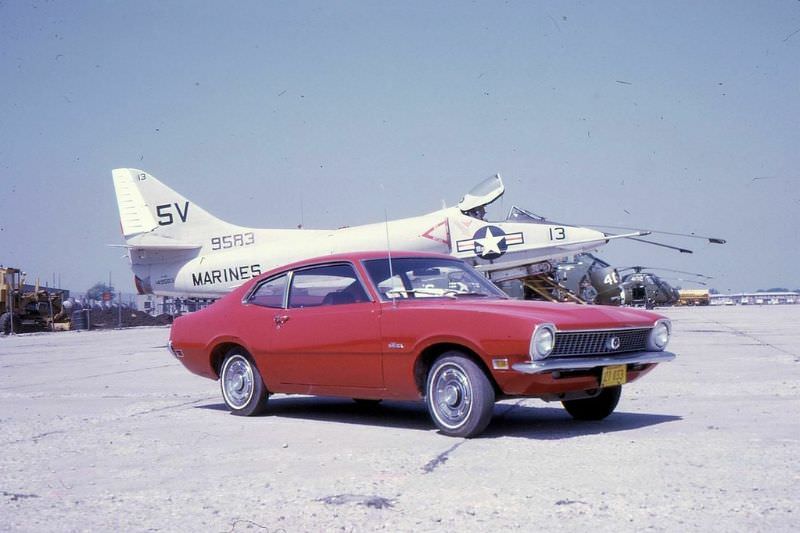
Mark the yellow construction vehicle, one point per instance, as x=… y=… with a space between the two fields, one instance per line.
x=24 y=309
x=693 y=297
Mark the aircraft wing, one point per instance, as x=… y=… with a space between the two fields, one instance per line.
x=148 y=241
x=521 y=262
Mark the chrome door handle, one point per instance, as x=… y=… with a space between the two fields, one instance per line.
x=281 y=319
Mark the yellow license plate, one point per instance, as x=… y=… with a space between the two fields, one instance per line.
x=614 y=375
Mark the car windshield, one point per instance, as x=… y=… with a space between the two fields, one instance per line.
x=422 y=277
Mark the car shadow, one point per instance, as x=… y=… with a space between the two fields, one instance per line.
x=540 y=422
x=549 y=422
x=409 y=415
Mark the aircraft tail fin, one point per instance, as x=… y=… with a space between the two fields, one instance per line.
x=153 y=215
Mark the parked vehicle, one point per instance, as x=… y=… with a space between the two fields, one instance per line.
x=25 y=308
x=416 y=326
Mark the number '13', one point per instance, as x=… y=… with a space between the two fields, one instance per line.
x=557 y=234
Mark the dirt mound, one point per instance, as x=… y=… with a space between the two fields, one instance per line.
x=127 y=318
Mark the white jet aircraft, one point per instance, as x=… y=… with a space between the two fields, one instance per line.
x=176 y=248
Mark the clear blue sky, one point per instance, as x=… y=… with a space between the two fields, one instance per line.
x=682 y=116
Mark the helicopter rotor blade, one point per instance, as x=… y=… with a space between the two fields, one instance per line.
x=687 y=273
x=703 y=283
x=639 y=268
x=712 y=240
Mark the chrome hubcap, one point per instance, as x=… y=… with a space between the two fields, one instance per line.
x=237 y=381
x=451 y=394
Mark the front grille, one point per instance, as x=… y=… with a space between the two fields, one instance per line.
x=599 y=342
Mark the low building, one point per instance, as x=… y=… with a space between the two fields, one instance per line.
x=756 y=298
x=165 y=305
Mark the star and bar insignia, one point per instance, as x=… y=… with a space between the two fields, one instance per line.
x=489 y=242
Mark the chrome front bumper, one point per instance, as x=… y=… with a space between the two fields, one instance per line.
x=581 y=363
x=178 y=354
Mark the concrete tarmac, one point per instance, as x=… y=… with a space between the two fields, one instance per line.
x=105 y=431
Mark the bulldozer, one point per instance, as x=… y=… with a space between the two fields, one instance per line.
x=25 y=309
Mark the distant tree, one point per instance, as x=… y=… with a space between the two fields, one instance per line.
x=776 y=289
x=713 y=291
x=96 y=291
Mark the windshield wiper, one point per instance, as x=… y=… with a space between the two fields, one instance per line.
x=449 y=293
x=481 y=294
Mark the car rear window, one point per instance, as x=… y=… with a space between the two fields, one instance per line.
x=270 y=293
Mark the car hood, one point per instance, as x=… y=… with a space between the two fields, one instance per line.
x=564 y=316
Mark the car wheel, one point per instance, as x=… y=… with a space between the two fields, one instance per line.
x=459 y=396
x=596 y=408
x=243 y=389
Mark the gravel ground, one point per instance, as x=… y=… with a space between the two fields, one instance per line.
x=103 y=430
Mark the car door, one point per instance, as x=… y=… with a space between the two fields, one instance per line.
x=255 y=323
x=329 y=332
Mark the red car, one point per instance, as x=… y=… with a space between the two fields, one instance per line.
x=418 y=326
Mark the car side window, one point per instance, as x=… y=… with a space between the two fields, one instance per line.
x=270 y=293
x=326 y=285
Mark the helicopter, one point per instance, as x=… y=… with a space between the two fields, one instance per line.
x=646 y=289
x=591 y=279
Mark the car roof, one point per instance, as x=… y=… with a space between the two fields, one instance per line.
x=354 y=257
x=360 y=256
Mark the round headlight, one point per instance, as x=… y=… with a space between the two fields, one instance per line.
x=542 y=341
x=659 y=335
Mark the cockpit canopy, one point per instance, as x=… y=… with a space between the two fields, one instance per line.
x=517 y=214
x=483 y=194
